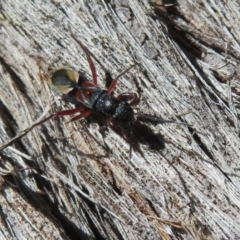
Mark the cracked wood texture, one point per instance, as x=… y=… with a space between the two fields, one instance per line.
x=66 y=180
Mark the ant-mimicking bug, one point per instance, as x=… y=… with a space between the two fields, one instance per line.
x=91 y=98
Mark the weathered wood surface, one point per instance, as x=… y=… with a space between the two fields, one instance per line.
x=60 y=181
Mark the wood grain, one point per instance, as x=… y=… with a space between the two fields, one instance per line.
x=66 y=180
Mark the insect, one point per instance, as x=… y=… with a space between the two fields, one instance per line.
x=90 y=98
x=117 y=110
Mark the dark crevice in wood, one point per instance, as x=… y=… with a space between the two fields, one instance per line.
x=8 y=120
x=207 y=152
x=93 y=226
x=51 y=209
x=17 y=80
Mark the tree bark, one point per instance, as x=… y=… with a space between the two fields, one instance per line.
x=67 y=180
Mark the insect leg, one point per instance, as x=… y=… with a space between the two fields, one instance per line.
x=119 y=130
x=129 y=96
x=114 y=82
x=82 y=115
x=111 y=123
x=58 y=114
x=90 y=61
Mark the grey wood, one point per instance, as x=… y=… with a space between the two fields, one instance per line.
x=64 y=180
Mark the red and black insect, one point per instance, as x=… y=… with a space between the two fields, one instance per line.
x=90 y=98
